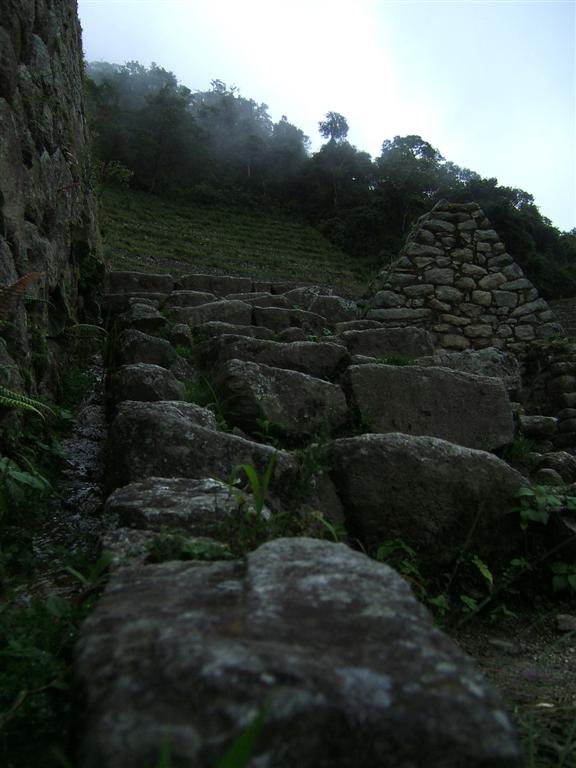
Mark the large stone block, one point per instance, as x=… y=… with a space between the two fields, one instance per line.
x=383 y=342
x=324 y=360
x=234 y=312
x=131 y=282
x=146 y=382
x=297 y=403
x=438 y=497
x=464 y=408
x=331 y=646
x=482 y=362
x=175 y=439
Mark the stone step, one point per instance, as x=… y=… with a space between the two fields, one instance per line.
x=329 y=648
x=464 y=408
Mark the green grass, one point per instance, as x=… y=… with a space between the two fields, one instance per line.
x=148 y=233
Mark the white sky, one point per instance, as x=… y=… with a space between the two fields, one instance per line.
x=489 y=83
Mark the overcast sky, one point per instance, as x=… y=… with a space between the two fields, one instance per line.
x=490 y=83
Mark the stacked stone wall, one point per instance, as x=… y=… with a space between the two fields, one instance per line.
x=47 y=208
x=455 y=278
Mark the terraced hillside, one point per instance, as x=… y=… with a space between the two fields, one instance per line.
x=148 y=233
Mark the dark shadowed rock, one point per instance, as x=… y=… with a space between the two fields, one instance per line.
x=142 y=381
x=297 y=403
x=261 y=299
x=323 y=360
x=469 y=410
x=188 y=299
x=142 y=317
x=483 y=362
x=235 y=312
x=382 y=342
x=119 y=302
x=218 y=328
x=332 y=645
x=175 y=439
x=277 y=319
x=132 y=282
x=334 y=309
x=136 y=347
x=194 y=507
x=436 y=496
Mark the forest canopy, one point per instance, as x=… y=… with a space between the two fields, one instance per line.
x=219 y=145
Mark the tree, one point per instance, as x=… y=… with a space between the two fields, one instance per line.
x=335 y=127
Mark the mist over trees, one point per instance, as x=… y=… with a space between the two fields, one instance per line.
x=218 y=146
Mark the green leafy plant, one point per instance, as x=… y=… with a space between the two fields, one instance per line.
x=535 y=504
x=564 y=576
x=259 y=486
x=17 y=485
x=201 y=392
x=11 y=399
x=398 y=360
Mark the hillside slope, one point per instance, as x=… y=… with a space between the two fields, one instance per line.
x=148 y=233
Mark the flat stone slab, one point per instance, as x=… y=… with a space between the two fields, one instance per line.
x=332 y=646
x=297 y=403
x=437 y=497
x=235 y=312
x=324 y=360
x=470 y=410
x=134 y=346
x=188 y=299
x=196 y=507
x=483 y=362
x=175 y=439
x=221 y=285
x=143 y=381
x=383 y=342
x=131 y=282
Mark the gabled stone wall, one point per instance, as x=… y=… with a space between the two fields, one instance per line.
x=455 y=279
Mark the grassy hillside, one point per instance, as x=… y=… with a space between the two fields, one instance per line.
x=144 y=232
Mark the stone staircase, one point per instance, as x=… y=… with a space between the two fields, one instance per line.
x=328 y=647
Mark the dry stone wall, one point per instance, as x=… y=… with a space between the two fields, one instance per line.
x=47 y=209
x=455 y=278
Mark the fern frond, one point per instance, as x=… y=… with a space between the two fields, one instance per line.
x=11 y=399
x=9 y=294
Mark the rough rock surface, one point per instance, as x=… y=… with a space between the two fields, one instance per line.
x=175 y=439
x=484 y=362
x=463 y=408
x=234 y=312
x=323 y=360
x=297 y=403
x=47 y=205
x=439 y=498
x=455 y=279
x=383 y=342
x=195 y=507
x=347 y=665
x=134 y=346
x=143 y=381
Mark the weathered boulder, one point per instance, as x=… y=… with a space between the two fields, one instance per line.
x=331 y=646
x=297 y=403
x=277 y=319
x=289 y=335
x=439 y=498
x=383 y=342
x=217 y=328
x=119 y=302
x=142 y=317
x=235 y=312
x=470 y=410
x=323 y=360
x=188 y=299
x=175 y=439
x=483 y=362
x=143 y=381
x=261 y=299
x=334 y=309
x=136 y=347
x=357 y=325
x=562 y=462
x=195 y=507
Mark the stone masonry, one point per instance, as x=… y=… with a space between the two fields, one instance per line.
x=455 y=278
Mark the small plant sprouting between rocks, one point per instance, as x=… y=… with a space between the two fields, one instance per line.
x=536 y=503
x=398 y=360
x=201 y=392
x=259 y=486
